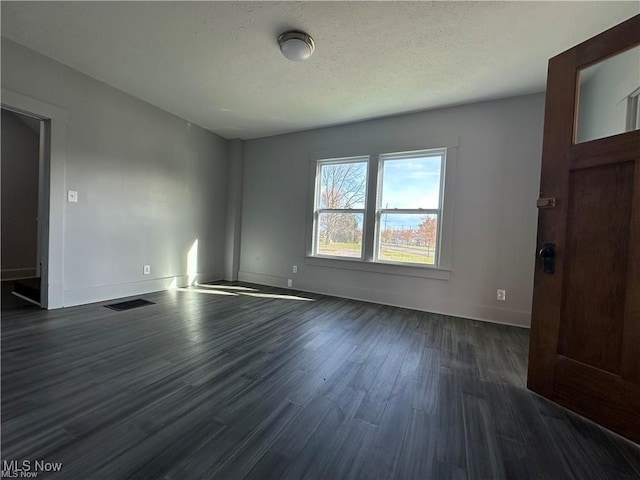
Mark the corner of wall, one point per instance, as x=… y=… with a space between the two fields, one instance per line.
x=235 y=169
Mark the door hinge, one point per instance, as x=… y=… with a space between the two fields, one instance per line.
x=546 y=202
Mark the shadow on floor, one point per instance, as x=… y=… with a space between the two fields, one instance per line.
x=29 y=288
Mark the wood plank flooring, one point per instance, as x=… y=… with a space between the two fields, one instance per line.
x=242 y=381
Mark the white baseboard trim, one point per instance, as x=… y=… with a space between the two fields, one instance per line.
x=17 y=273
x=261 y=279
x=484 y=313
x=83 y=296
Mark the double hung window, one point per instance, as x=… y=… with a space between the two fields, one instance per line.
x=408 y=211
x=384 y=208
x=341 y=191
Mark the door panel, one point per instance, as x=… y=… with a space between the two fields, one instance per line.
x=596 y=268
x=603 y=397
x=585 y=333
x=630 y=368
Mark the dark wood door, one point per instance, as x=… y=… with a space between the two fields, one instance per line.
x=585 y=333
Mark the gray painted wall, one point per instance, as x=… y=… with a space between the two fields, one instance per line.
x=234 y=209
x=494 y=221
x=149 y=184
x=20 y=163
x=603 y=107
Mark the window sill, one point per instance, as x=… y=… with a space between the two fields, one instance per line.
x=437 y=273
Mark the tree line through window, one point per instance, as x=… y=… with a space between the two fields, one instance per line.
x=407 y=202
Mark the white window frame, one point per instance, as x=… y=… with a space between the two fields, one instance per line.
x=380 y=210
x=317 y=211
x=443 y=268
x=633 y=111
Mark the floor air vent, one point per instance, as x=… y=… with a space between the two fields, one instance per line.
x=139 y=302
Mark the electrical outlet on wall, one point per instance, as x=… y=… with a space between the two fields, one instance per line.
x=501 y=295
x=295 y=269
x=146 y=269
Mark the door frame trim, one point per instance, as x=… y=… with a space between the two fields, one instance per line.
x=55 y=120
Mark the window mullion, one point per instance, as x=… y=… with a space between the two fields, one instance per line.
x=411 y=211
x=443 y=167
x=340 y=210
x=370 y=208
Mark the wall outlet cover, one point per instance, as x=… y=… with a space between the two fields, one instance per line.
x=146 y=269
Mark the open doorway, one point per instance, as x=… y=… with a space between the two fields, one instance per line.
x=23 y=208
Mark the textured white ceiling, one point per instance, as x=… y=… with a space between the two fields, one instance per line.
x=217 y=64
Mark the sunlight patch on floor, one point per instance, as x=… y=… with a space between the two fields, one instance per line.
x=227 y=287
x=239 y=291
x=279 y=296
x=201 y=290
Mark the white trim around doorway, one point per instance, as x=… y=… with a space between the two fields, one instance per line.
x=52 y=247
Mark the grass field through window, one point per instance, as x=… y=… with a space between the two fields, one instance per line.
x=388 y=252
x=407 y=254
x=339 y=249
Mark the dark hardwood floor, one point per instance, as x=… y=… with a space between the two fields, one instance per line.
x=235 y=382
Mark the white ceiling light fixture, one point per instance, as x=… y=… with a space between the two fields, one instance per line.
x=296 y=45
